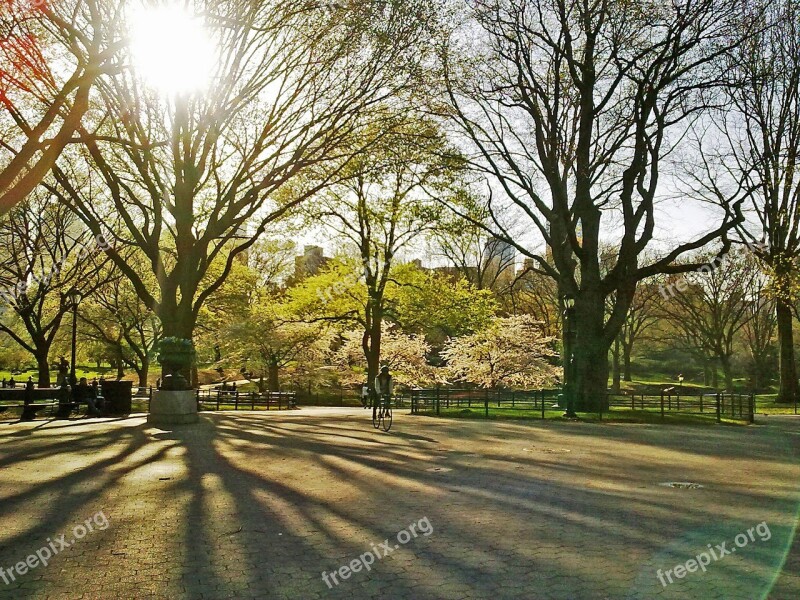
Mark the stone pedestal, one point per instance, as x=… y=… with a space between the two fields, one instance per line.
x=170 y=407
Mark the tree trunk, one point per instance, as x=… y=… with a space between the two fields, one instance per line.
x=591 y=355
x=272 y=376
x=143 y=372
x=725 y=362
x=788 y=391
x=372 y=349
x=616 y=367
x=626 y=360
x=43 y=368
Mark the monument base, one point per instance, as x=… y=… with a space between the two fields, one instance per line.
x=169 y=407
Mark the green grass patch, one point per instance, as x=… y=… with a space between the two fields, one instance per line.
x=615 y=415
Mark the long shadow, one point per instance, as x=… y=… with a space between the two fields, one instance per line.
x=255 y=520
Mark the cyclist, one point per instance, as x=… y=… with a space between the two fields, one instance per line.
x=384 y=387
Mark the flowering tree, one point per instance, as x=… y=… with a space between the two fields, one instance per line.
x=510 y=352
x=404 y=354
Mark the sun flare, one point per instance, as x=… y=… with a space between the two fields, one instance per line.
x=171 y=49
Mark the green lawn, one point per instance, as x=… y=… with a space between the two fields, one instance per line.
x=615 y=415
x=89 y=373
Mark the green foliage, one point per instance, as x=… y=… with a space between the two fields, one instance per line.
x=441 y=306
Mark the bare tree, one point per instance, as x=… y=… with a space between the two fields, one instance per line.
x=758 y=150
x=44 y=255
x=571 y=108
x=710 y=308
x=43 y=99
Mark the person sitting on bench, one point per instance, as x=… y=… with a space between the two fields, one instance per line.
x=83 y=392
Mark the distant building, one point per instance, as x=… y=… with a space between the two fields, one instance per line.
x=499 y=263
x=309 y=263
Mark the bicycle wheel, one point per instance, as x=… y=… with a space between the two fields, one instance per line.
x=386 y=420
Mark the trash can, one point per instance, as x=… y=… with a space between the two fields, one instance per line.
x=117 y=396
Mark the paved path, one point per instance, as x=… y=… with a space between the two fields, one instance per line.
x=258 y=505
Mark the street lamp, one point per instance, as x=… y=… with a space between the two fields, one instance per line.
x=74 y=298
x=569 y=365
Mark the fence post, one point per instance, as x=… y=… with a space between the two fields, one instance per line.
x=662 y=405
x=486 y=402
x=252 y=400
x=438 y=411
x=719 y=408
x=633 y=401
x=542 y=403
x=512 y=398
x=701 y=401
x=752 y=407
x=218 y=394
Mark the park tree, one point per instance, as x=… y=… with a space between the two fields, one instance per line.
x=385 y=200
x=643 y=314
x=271 y=337
x=511 y=352
x=759 y=333
x=439 y=305
x=710 y=307
x=51 y=53
x=45 y=256
x=198 y=176
x=570 y=109
x=115 y=318
x=754 y=153
x=405 y=355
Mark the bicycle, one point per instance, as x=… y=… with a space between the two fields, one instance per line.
x=382 y=417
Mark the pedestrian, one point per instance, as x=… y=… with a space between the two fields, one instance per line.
x=365 y=394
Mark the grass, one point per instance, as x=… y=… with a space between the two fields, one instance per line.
x=615 y=415
x=22 y=376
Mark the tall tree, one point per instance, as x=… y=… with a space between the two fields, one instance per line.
x=758 y=151
x=386 y=200
x=570 y=108
x=197 y=178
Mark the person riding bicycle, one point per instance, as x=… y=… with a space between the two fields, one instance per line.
x=384 y=387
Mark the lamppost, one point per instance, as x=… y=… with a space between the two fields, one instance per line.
x=74 y=297
x=569 y=365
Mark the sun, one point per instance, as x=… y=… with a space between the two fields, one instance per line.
x=171 y=49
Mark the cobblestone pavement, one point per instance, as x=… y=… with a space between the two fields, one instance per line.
x=254 y=505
